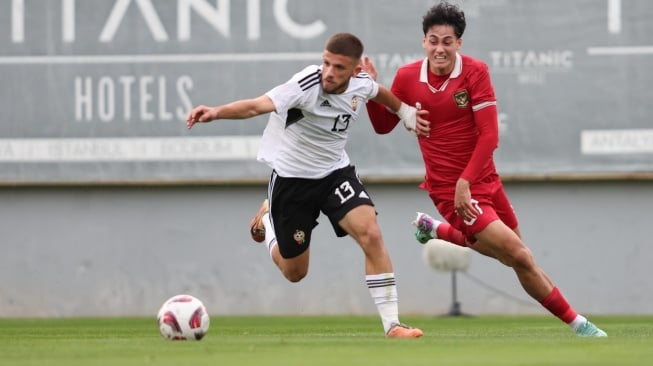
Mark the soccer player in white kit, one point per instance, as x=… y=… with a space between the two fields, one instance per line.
x=304 y=144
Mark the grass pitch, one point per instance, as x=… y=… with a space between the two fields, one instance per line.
x=327 y=340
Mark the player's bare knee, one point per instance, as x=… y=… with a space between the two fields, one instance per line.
x=520 y=258
x=294 y=275
x=370 y=238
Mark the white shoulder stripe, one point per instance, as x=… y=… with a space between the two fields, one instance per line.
x=363 y=75
x=483 y=105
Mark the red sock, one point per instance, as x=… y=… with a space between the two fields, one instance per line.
x=558 y=306
x=449 y=233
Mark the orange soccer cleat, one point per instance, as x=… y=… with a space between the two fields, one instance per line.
x=404 y=331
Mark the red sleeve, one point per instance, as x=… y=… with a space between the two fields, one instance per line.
x=488 y=140
x=382 y=119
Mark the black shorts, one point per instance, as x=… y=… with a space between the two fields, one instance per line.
x=296 y=203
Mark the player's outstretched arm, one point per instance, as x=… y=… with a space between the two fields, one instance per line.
x=411 y=117
x=240 y=109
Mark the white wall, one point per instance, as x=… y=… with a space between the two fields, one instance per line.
x=96 y=251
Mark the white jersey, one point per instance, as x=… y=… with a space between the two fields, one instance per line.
x=306 y=135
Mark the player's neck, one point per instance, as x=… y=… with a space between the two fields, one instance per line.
x=437 y=78
x=440 y=72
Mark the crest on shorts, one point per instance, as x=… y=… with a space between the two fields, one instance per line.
x=461 y=98
x=299 y=236
x=354 y=103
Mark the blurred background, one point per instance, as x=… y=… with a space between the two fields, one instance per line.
x=109 y=205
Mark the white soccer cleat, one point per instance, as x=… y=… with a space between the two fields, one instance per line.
x=588 y=329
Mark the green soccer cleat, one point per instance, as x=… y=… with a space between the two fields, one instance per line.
x=425 y=225
x=588 y=329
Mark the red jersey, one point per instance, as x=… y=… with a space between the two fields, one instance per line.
x=462 y=111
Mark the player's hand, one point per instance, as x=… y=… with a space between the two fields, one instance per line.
x=463 y=202
x=408 y=117
x=200 y=114
x=422 y=125
x=368 y=67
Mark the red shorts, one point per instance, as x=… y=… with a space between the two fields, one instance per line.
x=490 y=200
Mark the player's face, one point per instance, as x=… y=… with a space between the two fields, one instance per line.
x=441 y=45
x=336 y=72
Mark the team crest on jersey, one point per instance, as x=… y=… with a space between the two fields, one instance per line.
x=354 y=103
x=461 y=98
x=299 y=236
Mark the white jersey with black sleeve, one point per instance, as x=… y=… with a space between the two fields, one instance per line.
x=306 y=135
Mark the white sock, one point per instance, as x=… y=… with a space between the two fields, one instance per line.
x=270 y=237
x=384 y=293
x=577 y=322
x=434 y=229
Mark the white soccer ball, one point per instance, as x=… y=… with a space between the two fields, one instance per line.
x=183 y=317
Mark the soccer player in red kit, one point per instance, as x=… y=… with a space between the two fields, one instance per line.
x=457 y=132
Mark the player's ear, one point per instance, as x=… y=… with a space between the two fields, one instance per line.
x=358 y=68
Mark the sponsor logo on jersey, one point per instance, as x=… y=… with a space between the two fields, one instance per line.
x=325 y=104
x=461 y=98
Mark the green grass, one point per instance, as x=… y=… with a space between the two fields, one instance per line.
x=329 y=340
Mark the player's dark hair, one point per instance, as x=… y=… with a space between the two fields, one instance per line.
x=445 y=14
x=345 y=44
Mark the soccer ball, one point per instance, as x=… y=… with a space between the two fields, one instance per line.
x=183 y=317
